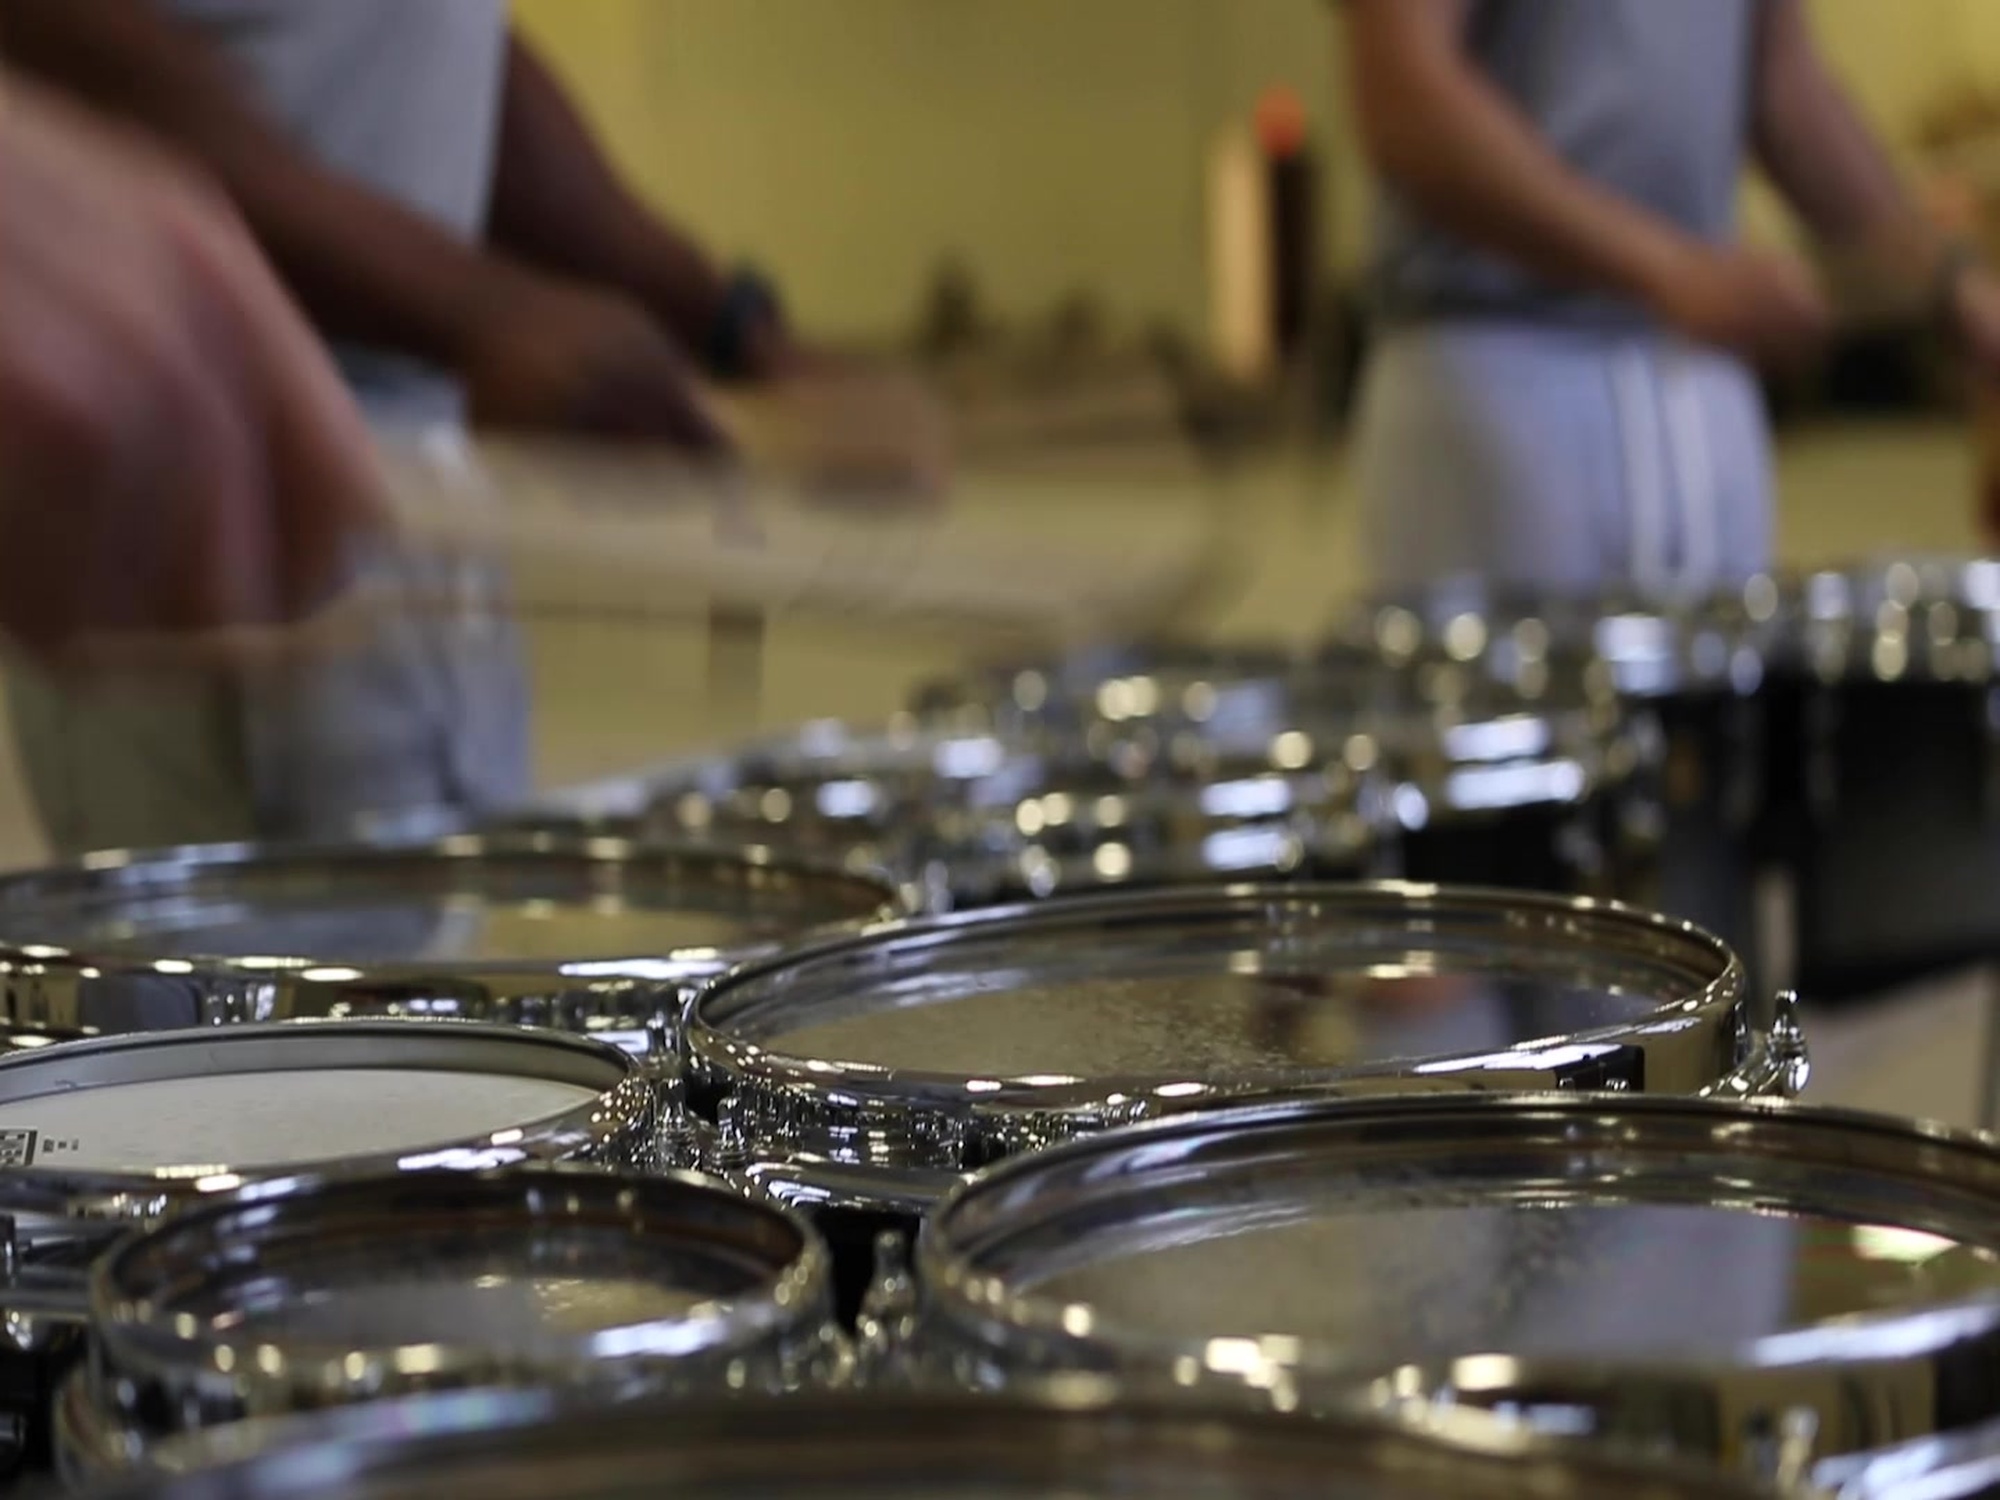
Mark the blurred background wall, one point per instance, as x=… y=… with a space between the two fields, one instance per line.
x=1054 y=145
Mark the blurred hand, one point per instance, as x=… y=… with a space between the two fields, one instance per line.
x=1765 y=307
x=563 y=356
x=176 y=451
x=849 y=430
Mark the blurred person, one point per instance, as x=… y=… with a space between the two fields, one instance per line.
x=1563 y=392
x=431 y=197
x=177 y=453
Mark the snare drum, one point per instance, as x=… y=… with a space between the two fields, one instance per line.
x=99 y=1136
x=1069 y=1445
x=1288 y=812
x=1895 y=769
x=296 y=1296
x=860 y=1076
x=1697 y=680
x=837 y=795
x=1128 y=702
x=1756 y=1286
x=1509 y=758
x=582 y=934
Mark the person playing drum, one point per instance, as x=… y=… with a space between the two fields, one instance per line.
x=1562 y=396
x=428 y=192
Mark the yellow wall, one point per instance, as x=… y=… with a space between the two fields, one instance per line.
x=848 y=144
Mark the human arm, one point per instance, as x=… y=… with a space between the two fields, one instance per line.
x=177 y=453
x=1463 y=156
x=1819 y=151
x=535 y=350
x=559 y=203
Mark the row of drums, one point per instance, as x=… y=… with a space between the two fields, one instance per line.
x=581 y=1158
x=1808 y=767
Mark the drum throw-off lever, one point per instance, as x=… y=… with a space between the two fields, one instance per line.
x=1777 y=1065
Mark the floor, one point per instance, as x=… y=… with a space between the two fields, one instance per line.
x=622 y=682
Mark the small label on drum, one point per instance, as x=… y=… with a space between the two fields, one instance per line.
x=17 y=1148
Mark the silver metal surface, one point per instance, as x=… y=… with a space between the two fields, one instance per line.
x=296 y=1296
x=1034 y=831
x=1134 y=695
x=575 y=932
x=1932 y=619
x=1961 y=1466
x=872 y=1070
x=836 y=794
x=1075 y=1444
x=1687 y=1277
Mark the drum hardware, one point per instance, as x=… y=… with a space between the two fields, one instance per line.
x=683 y=1141
x=1552 y=1259
x=1891 y=832
x=108 y=1136
x=871 y=1072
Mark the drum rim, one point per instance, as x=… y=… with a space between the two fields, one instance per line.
x=1573 y=621
x=773 y=1085
x=56 y=1201
x=136 y=1337
x=964 y=1301
x=234 y=988
x=1081 y=1420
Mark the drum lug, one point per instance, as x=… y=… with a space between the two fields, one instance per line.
x=1786 y=1045
x=886 y=1327
x=677 y=1137
x=731 y=1152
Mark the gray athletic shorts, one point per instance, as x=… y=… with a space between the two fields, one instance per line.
x=1566 y=459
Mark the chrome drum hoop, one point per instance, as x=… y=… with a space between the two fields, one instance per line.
x=153 y=980
x=913 y=1131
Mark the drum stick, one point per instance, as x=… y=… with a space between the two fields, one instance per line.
x=644 y=537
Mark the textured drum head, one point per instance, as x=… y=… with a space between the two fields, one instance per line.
x=258 y=1121
x=179 y=1105
x=518 y=1272
x=1212 y=988
x=1533 y=1255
